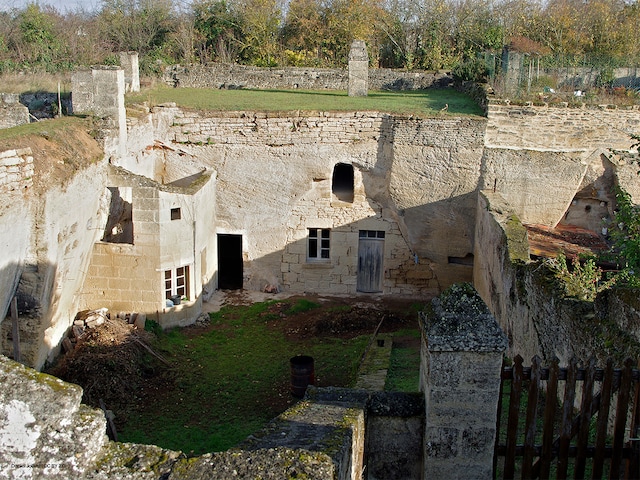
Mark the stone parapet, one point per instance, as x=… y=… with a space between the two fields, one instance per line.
x=45 y=432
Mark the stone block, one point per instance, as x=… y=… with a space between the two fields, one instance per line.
x=441 y=442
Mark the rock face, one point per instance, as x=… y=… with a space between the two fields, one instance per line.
x=45 y=432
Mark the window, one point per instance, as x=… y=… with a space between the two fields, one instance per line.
x=176 y=282
x=318 y=244
x=371 y=234
x=176 y=214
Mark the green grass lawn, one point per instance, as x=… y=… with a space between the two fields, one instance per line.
x=420 y=103
x=229 y=381
x=404 y=364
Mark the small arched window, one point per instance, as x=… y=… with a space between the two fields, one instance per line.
x=342 y=182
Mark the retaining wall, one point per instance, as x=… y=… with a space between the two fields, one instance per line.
x=531 y=306
x=560 y=128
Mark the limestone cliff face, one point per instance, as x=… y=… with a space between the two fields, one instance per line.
x=48 y=228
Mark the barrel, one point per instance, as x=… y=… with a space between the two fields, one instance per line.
x=302 y=374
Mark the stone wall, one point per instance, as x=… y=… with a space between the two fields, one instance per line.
x=12 y=112
x=556 y=128
x=16 y=169
x=226 y=75
x=394 y=436
x=413 y=179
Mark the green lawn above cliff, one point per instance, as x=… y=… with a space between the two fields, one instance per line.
x=420 y=103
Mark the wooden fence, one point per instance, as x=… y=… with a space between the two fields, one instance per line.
x=568 y=422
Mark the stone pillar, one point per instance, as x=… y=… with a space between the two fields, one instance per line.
x=461 y=359
x=358 y=69
x=99 y=91
x=129 y=62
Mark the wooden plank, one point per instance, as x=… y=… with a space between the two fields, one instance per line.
x=498 y=425
x=530 y=422
x=512 y=422
x=15 y=330
x=633 y=466
x=603 y=420
x=526 y=374
x=567 y=421
x=621 y=421
x=585 y=420
x=549 y=417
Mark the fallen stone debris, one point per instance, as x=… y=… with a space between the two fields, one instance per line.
x=88 y=319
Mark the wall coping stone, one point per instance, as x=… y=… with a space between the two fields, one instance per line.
x=461 y=321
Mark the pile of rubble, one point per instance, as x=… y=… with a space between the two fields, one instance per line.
x=88 y=319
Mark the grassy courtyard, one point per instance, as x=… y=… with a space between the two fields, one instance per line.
x=421 y=102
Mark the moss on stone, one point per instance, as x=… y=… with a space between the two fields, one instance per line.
x=517 y=240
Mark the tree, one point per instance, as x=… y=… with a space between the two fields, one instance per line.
x=36 y=41
x=261 y=27
x=220 y=31
x=303 y=32
x=349 y=20
x=138 y=25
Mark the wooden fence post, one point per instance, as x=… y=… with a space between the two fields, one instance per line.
x=15 y=330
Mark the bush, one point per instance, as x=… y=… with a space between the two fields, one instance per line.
x=470 y=70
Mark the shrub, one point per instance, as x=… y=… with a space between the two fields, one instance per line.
x=473 y=70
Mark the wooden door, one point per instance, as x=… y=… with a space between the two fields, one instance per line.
x=370 y=261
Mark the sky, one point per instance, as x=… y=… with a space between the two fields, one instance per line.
x=64 y=6
x=61 y=5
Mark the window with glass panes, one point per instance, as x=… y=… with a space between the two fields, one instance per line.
x=176 y=282
x=318 y=244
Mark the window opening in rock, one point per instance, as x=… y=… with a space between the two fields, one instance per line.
x=466 y=260
x=176 y=214
x=119 y=228
x=318 y=245
x=176 y=283
x=342 y=182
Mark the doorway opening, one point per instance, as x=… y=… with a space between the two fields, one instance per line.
x=229 y=262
